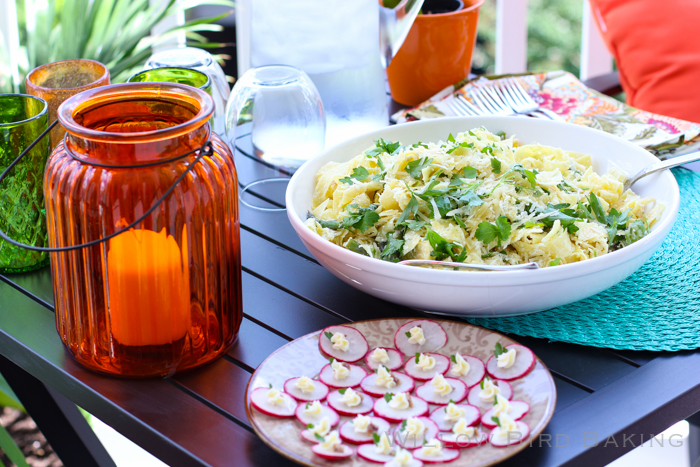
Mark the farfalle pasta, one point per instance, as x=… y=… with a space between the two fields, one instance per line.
x=477 y=197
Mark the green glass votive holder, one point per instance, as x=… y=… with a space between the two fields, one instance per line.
x=186 y=76
x=22 y=217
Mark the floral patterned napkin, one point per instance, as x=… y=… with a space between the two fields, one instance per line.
x=564 y=94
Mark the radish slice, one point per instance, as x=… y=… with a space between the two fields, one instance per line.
x=355 y=376
x=477 y=370
x=500 y=439
x=413 y=369
x=435 y=337
x=376 y=425
x=260 y=400
x=524 y=363
x=340 y=452
x=369 y=453
x=475 y=399
x=412 y=441
x=317 y=393
x=335 y=400
x=351 y=351
x=452 y=440
x=470 y=413
x=428 y=394
x=445 y=455
x=417 y=408
x=393 y=359
x=404 y=383
x=518 y=409
x=308 y=435
x=314 y=416
x=403 y=459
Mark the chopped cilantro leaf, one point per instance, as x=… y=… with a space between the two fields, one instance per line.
x=469 y=172
x=495 y=165
x=319 y=437
x=487 y=232
x=498 y=350
x=453 y=358
x=417 y=356
x=388 y=396
x=451 y=139
x=358 y=173
x=408 y=334
x=443 y=249
x=414 y=168
x=411 y=208
x=460 y=223
x=394 y=246
x=352 y=245
x=328 y=334
x=555 y=262
x=361 y=218
x=310 y=426
x=342 y=390
x=376 y=438
x=496 y=421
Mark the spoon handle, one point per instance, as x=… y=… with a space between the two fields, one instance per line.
x=663 y=165
x=483 y=267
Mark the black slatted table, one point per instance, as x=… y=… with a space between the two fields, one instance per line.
x=608 y=402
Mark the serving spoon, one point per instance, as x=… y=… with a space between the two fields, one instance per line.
x=659 y=166
x=482 y=267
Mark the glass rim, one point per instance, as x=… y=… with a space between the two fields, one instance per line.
x=299 y=74
x=114 y=93
x=204 y=58
x=52 y=64
x=161 y=68
x=44 y=110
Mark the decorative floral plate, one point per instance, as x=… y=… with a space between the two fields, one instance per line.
x=303 y=357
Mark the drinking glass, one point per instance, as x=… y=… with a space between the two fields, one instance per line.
x=284 y=109
x=191 y=77
x=201 y=60
x=22 y=119
x=55 y=82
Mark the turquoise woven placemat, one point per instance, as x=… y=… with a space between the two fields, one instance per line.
x=657 y=308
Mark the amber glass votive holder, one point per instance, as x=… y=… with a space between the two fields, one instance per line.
x=55 y=82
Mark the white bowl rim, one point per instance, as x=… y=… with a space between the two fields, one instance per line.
x=448 y=277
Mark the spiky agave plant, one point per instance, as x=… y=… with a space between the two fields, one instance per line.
x=114 y=32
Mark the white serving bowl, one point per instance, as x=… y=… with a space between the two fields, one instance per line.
x=475 y=293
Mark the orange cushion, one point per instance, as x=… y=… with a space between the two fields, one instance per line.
x=657 y=52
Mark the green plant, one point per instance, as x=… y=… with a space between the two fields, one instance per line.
x=114 y=32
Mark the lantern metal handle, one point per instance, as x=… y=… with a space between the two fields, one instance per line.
x=207 y=149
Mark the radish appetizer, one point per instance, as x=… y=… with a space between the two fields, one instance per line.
x=460 y=402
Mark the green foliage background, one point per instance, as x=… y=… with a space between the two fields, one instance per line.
x=554 y=36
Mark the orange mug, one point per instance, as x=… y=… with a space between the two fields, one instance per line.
x=436 y=53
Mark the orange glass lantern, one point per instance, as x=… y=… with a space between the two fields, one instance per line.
x=164 y=295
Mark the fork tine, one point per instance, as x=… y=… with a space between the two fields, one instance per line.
x=495 y=100
x=456 y=109
x=523 y=92
x=485 y=106
x=461 y=109
x=468 y=106
x=504 y=97
x=513 y=93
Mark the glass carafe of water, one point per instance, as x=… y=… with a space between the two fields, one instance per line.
x=337 y=43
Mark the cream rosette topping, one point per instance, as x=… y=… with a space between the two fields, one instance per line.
x=340 y=370
x=313 y=409
x=440 y=385
x=383 y=445
x=416 y=335
x=321 y=428
x=460 y=366
x=425 y=362
x=380 y=356
x=413 y=427
x=331 y=442
x=385 y=378
x=275 y=397
x=351 y=398
x=502 y=405
x=461 y=428
x=400 y=401
x=489 y=390
x=432 y=448
x=305 y=384
x=362 y=424
x=403 y=458
x=454 y=413
x=507 y=358
x=340 y=342
x=507 y=425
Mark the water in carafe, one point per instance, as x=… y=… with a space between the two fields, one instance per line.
x=336 y=43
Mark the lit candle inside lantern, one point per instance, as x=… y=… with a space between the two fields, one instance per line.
x=148 y=288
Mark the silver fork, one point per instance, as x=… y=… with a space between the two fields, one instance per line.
x=513 y=93
x=485 y=103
